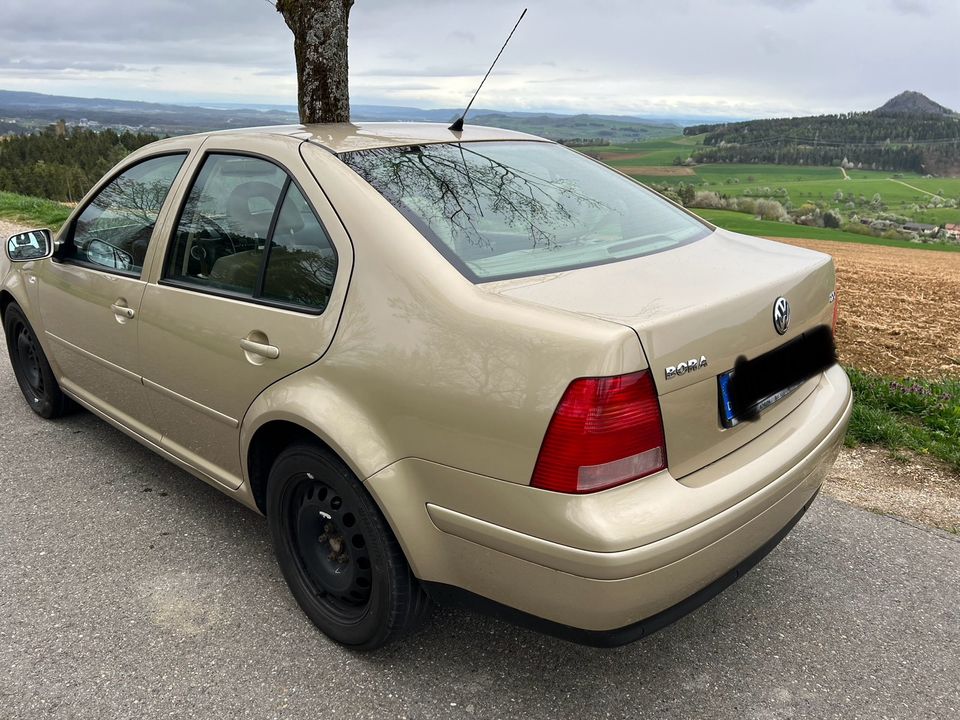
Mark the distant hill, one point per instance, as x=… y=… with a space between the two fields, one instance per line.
x=910 y=102
x=579 y=127
x=22 y=112
x=908 y=133
x=32 y=111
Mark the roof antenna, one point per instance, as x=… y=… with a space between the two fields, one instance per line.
x=458 y=123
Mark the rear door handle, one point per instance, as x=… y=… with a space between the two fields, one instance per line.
x=271 y=352
x=123 y=311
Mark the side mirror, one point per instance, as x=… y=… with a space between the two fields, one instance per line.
x=30 y=245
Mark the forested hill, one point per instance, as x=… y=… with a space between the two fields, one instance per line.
x=889 y=138
x=61 y=163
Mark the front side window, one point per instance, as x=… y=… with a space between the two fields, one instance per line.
x=247 y=231
x=223 y=228
x=498 y=210
x=114 y=230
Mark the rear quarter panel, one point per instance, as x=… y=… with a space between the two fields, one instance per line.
x=424 y=364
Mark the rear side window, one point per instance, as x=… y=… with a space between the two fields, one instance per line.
x=114 y=230
x=247 y=231
x=302 y=265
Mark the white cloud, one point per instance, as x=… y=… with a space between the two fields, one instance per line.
x=739 y=57
x=912 y=7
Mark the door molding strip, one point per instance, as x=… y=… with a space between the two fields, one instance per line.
x=96 y=358
x=192 y=404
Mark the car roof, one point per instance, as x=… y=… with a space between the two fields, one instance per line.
x=347 y=137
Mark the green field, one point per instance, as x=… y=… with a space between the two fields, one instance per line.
x=901 y=194
x=33 y=211
x=748 y=225
x=661 y=151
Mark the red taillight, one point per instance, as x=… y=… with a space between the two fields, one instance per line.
x=605 y=432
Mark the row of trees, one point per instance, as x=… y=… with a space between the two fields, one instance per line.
x=910 y=158
x=63 y=164
x=848 y=128
x=877 y=141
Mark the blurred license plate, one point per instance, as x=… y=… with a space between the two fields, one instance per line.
x=726 y=404
x=754 y=385
x=728 y=417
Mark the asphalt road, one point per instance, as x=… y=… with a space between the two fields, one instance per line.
x=130 y=590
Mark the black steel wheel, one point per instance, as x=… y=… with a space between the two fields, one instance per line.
x=336 y=551
x=30 y=366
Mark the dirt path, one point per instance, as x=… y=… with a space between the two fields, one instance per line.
x=913 y=187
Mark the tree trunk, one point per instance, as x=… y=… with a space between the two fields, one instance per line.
x=320 y=45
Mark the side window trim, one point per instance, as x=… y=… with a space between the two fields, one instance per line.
x=130 y=274
x=66 y=235
x=172 y=237
x=262 y=275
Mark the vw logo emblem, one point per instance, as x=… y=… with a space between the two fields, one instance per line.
x=781 y=315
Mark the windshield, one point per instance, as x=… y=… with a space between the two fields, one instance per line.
x=500 y=210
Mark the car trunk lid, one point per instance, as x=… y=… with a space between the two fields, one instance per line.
x=696 y=309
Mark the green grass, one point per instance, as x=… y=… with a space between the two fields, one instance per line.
x=936 y=216
x=748 y=225
x=821 y=184
x=773 y=175
x=658 y=152
x=32 y=211
x=916 y=415
x=803 y=184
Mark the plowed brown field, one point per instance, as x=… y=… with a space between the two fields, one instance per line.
x=899 y=308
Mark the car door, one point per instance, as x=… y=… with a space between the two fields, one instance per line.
x=249 y=291
x=90 y=292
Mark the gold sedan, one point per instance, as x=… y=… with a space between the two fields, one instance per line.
x=471 y=366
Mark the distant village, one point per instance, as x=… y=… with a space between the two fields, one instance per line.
x=948 y=231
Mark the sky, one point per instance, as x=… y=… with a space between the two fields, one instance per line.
x=737 y=58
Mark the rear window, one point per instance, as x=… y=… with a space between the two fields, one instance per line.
x=499 y=210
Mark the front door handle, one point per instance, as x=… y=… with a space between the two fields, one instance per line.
x=271 y=352
x=123 y=311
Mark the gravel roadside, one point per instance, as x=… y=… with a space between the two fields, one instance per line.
x=912 y=487
x=8 y=228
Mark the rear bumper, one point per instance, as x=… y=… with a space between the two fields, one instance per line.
x=606 y=562
x=450 y=596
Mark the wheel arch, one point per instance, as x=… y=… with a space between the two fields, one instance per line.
x=269 y=440
x=289 y=412
x=6 y=297
x=13 y=289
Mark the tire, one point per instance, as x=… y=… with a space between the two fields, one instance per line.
x=337 y=553
x=31 y=368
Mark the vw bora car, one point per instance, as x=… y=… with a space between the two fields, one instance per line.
x=475 y=367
